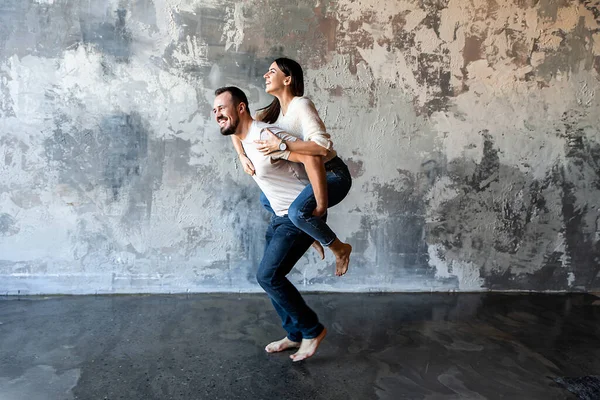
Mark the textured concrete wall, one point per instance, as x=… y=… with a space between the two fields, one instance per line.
x=471 y=129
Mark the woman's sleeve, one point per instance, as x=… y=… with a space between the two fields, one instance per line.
x=313 y=127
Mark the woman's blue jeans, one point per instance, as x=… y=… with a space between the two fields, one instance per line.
x=300 y=212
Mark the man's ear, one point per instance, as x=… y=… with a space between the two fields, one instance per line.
x=241 y=107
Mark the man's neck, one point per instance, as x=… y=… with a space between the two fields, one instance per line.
x=243 y=128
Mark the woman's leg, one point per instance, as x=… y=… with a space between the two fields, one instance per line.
x=301 y=213
x=267 y=206
x=315 y=169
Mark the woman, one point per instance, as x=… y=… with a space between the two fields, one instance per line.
x=298 y=116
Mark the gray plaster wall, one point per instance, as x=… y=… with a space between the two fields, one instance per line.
x=471 y=129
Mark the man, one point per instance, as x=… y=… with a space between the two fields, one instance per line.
x=281 y=181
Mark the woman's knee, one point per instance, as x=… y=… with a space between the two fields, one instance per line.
x=297 y=213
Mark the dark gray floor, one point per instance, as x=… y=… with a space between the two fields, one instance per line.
x=391 y=346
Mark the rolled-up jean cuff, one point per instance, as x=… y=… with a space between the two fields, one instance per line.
x=314 y=332
x=330 y=243
x=296 y=339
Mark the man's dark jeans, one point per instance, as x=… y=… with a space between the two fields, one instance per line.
x=285 y=246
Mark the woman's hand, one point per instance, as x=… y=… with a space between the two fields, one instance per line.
x=247 y=164
x=319 y=211
x=270 y=145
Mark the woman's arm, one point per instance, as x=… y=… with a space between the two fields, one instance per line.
x=315 y=140
x=313 y=128
x=271 y=144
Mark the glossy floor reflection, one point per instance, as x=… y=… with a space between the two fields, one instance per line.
x=385 y=346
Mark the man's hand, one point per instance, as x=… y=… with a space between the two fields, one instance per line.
x=247 y=164
x=270 y=145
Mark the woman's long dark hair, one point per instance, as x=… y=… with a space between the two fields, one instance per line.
x=289 y=68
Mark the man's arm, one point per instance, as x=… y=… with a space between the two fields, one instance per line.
x=244 y=160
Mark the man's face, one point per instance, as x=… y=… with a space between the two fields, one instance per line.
x=226 y=114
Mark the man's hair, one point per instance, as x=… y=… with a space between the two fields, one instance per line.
x=237 y=95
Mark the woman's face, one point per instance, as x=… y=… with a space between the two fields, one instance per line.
x=275 y=80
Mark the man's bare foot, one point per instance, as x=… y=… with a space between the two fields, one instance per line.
x=281 y=345
x=319 y=249
x=342 y=252
x=308 y=347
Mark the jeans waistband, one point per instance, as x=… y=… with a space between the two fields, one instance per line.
x=335 y=162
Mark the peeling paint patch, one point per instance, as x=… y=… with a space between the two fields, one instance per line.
x=8 y=225
x=355 y=167
x=570 y=279
x=467 y=274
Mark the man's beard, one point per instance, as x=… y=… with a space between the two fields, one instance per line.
x=231 y=129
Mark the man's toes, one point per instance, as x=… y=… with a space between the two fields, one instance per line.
x=273 y=348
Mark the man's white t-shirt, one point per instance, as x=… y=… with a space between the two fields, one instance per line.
x=280 y=180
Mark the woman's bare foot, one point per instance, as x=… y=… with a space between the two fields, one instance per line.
x=342 y=252
x=308 y=347
x=319 y=249
x=281 y=345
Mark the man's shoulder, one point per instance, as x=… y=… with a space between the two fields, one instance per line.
x=261 y=126
x=255 y=130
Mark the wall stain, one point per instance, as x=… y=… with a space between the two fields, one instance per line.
x=572 y=54
x=112 y=39
x=502 y=227
x=8 y=225
x=118 y=156
x=580 y=216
